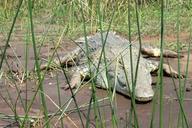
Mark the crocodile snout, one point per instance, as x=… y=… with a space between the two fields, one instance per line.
x=144 y=93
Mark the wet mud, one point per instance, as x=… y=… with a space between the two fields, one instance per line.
x=83 y=97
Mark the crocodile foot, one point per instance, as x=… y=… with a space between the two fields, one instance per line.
x=75 y=80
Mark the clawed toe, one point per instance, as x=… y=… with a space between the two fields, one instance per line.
x=69 y=86
x=182 y=76
x=66 y=87
x=179 y=76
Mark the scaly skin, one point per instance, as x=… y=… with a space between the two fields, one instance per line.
x=117 y=67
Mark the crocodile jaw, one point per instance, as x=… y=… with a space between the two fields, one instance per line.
x=143 y=92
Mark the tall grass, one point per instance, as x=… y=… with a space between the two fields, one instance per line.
x=160 y=75
x=123 y=16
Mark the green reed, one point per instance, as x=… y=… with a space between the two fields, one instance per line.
x=99 y=16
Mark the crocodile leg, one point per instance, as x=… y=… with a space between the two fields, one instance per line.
x=80 y=74
x=167 y=69
x=83 y=73
x=155 y=52
x=75 y=80
x=70 y=59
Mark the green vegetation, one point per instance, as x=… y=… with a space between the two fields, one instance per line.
x=39 y=22
x=66 y=14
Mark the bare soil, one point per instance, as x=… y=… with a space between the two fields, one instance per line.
x=27 y=90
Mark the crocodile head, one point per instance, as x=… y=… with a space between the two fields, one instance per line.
x=124 y=84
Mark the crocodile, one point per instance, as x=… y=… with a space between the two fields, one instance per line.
x=114 y=66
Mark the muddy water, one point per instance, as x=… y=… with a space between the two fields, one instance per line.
x=144 y=111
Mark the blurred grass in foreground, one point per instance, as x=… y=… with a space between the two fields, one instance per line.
x=74 y=18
